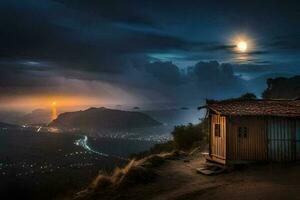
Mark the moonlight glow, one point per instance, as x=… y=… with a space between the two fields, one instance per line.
x=242 y=46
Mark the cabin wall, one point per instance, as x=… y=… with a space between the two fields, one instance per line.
x=265 y=138
x=283 y=139
x=297 y=139
x=248 y=146
x=268 y=138
x=218 y=143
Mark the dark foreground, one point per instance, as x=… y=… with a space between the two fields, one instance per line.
x=178 y=180
x=36 y=165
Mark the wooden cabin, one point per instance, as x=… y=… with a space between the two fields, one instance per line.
x=254 y=130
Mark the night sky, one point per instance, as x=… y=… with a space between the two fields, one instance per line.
x=88 y=52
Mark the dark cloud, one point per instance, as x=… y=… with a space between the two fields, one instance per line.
x=219 y=47
x=112 y=10
x=216 y=77
x=250 y=68
x=31 y=35
x=166 y=72
x=286 y=43
x=58 y=46
x=205 y=79
x=262 y=62
x=258 y=52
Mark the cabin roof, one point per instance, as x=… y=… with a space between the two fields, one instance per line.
x=283 y=108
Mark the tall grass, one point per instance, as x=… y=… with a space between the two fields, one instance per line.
x=135 y=172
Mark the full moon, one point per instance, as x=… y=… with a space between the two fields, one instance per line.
x=242 y=46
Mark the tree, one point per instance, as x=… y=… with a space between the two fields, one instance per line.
x=248 y=96
x=186 y=136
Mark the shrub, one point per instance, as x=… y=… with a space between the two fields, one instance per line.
x=187 y=136
x=248 y=96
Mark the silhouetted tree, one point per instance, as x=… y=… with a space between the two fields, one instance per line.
x=282 y=88
x=248 y=96
x=186 y=136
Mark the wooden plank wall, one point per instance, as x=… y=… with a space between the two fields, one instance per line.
x=250 y=148
x=218 y=144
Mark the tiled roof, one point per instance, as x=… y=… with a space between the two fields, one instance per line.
x=284 y=108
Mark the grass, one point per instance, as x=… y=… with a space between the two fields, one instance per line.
x=135 y=172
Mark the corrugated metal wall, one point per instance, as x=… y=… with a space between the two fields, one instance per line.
x=218 y=144
x=283 y=139
x=298 y=139
x=253 y=146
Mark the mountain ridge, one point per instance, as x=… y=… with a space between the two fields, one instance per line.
x=103 y=118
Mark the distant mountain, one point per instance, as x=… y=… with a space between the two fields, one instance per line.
x=103 y=118
x=176 y=116
x=5 y=125
x=38 y=116
x=283 y=88
x=10 y=117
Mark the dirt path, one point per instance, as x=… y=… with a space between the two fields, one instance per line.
x=178 y=180
x=186 y=180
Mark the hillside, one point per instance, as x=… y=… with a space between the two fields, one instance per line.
x=175 y=178
x=103 y=118
x=283 y=88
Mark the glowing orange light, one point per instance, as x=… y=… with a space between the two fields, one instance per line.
x=54 y=111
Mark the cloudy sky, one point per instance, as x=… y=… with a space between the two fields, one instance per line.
x=93 y=52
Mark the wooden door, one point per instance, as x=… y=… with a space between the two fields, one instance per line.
x=247 y=139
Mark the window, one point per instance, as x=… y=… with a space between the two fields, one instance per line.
x=217 y=130
x=243 y=132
